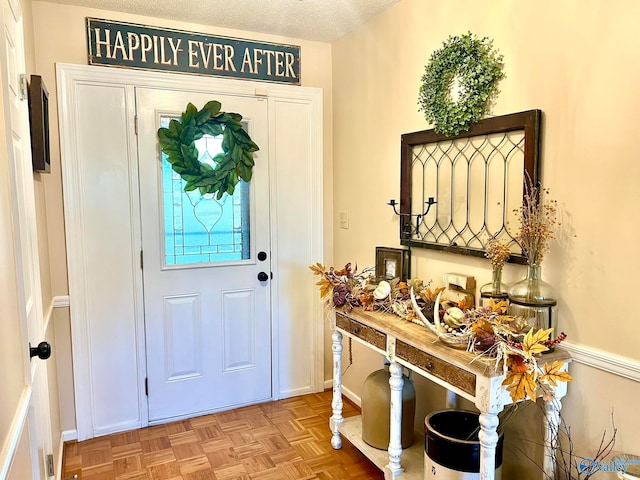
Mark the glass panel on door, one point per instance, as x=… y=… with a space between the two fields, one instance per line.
x=199 y=229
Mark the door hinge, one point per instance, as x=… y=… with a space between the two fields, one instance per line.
x=135 y=123
x=146 y=386
x=141 y=261
x=50 y=470
x=24 y=87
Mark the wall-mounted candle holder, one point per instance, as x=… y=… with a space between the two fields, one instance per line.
x=411 y=231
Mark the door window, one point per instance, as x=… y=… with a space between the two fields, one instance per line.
x=199 y=229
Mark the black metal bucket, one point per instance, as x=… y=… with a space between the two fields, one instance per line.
x=452 y=448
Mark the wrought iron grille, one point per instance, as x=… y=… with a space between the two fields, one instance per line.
x=473 y=181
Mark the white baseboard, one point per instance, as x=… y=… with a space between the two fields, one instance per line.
x=346 y=392
x=117 y=428
x=69 y=435
x=622 y=366
x=352 y=396
x=295 y=392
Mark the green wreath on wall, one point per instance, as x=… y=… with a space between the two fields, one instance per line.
x=235 y=162
x=469 y=67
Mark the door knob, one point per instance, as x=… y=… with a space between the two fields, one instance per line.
x=263 y=277
x=42 y=351
x=262 y=256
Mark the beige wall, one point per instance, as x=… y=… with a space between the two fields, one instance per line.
x=574 y=61
x=64 y=372
x=21 y=467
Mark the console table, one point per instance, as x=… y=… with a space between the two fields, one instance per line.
x=406 y=344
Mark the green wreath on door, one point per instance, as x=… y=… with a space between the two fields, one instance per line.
x=233 y=164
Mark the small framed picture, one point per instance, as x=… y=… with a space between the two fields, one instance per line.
x=391 y=263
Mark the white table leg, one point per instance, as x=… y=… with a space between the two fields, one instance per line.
x=551 y=424
x=336 y=403
x=396 y=383
x=488 y=437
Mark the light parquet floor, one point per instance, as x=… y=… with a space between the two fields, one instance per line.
x=283 y=440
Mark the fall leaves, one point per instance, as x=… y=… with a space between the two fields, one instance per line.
x=326 y=286
x=339 y=288
x=347 y=288
x=532 y=343
x=493 y=332
x=524 y=376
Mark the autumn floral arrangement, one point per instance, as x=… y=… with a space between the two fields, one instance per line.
x=485 y=331
x=538 y=219
x=489 y=331
x=497 y=251
x=347 y=288
x=503 y=337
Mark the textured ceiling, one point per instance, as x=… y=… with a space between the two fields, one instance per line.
x=321 y=20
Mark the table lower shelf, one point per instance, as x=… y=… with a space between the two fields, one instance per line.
x=412 y=458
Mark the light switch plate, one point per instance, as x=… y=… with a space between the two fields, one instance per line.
x=343 y=220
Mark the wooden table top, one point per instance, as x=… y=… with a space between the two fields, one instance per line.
x=423 y=339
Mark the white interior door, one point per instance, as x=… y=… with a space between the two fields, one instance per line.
x=207 y=315
x=27 y=274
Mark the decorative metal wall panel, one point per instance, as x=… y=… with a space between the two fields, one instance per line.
x=473 y=182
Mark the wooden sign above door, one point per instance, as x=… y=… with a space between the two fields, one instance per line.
x=131 y=45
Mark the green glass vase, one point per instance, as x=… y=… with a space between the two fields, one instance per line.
x=495 y=289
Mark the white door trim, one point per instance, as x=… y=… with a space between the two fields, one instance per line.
x=287 y=96
x=68 y=81
x=68 y=78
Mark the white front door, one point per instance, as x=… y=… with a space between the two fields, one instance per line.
x=207 y=315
